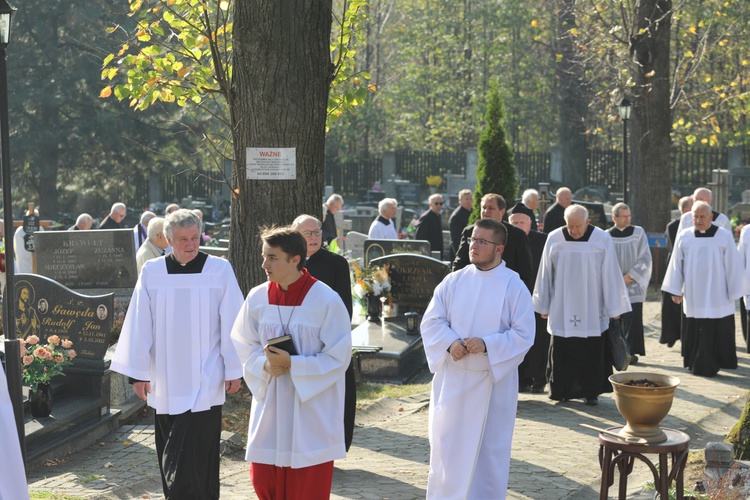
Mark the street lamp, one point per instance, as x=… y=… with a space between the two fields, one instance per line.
x=12 y=344
x=625 y=116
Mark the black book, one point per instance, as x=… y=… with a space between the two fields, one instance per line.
x=285 y=343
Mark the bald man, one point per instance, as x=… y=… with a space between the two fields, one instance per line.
x=555 y=215
x=704 y=195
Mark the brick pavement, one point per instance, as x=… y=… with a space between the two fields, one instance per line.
x=552 y=457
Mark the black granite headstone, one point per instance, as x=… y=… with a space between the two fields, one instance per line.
x=596 y=213
x=45 y=308
x=379 y=248
x=413 y=279
x=101 y=258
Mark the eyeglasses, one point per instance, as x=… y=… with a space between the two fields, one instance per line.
x=307 y=234
x=437 y=202
x=481 y=242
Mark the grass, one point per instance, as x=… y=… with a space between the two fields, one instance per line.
x=89 y=479
x=48 y=495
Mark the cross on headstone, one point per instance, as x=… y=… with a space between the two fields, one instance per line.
x=575 y=320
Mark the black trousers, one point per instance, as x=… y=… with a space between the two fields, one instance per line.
x=187 y=446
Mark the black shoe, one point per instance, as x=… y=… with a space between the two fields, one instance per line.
x=633 y=359
x=538 y=389
x=592 y=401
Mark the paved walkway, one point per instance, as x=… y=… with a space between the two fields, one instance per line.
x=553 y=457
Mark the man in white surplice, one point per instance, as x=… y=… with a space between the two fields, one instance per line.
x=579 y=286
x=705 y=274
x=476 y=331
x=634 y=256
x=704 y=194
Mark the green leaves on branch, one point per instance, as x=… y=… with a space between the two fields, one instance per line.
x=179 y=51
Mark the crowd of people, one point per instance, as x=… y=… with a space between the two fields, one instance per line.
x=548 y=292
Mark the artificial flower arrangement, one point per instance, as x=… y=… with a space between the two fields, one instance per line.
x=41 y=363
x=434 y=180
x=374 y=281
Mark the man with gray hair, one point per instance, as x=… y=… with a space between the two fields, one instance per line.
x=384 y=227
x=116 y=215
x=331 y=207
x=459 y=219
x=634 y=256
x=529 y=202
x=175 y=345
x=705 y=274
x=155 y=245
x=83 y=223
x=430 y=225
x=579 y=287
x=704 y=195
x=140 y=233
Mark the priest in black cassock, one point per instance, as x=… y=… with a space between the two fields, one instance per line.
x=671 y=313
x=333 y=270
x=460 y=219
x=555 y=215
x=532 y=372
x=176 y=347
x=579 y=288
x=517 y=253
x=706 y=275
x=430 y=225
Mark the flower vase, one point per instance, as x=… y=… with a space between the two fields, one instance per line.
x=374 y=308
x=40 y=401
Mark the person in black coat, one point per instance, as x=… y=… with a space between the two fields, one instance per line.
x=460 y=219
x=333 y=270
x=555 y=215
x=529 y=202
x=517 y=253
x=331 y=208
x=671 y=313
x=532 y=372
x=116 y=215
x=430 y=227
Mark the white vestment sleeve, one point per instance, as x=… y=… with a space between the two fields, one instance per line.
x=133 y=354
x=230 y=304
x=507 y=348
x=616 y=301
x=641 y=270
x=542 y=298
x=744 y=249
x=674 y=279
x=248 y=345
x=733 y=269
x=311 y=375
x=437 y=334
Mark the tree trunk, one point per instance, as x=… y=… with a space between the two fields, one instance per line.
x=572 y=99
x=739 y=436
x=282 y=73
x=649 y=171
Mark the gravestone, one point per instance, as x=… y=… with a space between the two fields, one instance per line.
x=82 y=397
x=101 y=258
x=408 y=193
x=387 y=351
x=355 y=244
x=379 y=248
x=596 y=213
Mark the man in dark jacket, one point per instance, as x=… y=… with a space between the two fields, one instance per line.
x=529 y=202
x=460 y=219
x=116 y=215
x=430 y=227
x=554 y=217
x=517 y=253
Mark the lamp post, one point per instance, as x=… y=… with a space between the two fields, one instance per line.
x=625 y=116
x=12 y=344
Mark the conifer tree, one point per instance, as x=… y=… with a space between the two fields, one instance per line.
x=496 y=168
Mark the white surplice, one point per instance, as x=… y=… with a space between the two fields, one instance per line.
x=592 y=289
x=176 y=335
x=297 y=419
x=634 y=257
x=380 y=231
x=686 y=221
x=473 y=401
x=744 y=248
x=707 y=272
x=13 y=484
